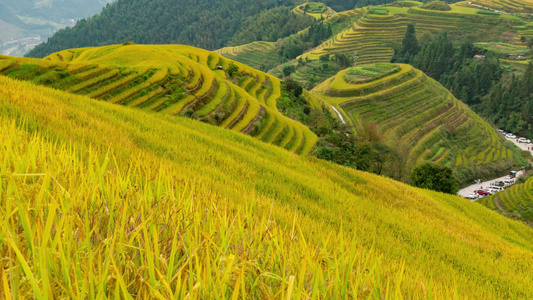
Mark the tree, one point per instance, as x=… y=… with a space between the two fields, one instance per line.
x=409 y=47
x=368 y=132
x=410 y=43
x=523 y=39
x=434 y=177
x=232 y=69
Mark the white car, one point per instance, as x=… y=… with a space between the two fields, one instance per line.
x=472 y=196
x=522 y=140
x=510 y=136
x=501 y=131
x=493 y=190
x=508 y=181
x=496 y=188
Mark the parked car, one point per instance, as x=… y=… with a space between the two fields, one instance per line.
x=496 y=188
x=501 y=131
x=493 y=190
x=498 y=183
x=482 y=192
x=472 y=196
x=522 y=140
x=510 y=136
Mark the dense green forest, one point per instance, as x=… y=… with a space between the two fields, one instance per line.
x=270 y=25
x=222 y=22
x=159 y=22
x=500 y=94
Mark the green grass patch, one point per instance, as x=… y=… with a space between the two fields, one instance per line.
x=368 y=73
x=377 y=10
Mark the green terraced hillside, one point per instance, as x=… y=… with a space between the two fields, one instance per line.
x=257 y=54
x=264 y=55
x=171 y=79
x=511 y=6
x=374 y=35
x=512 y=201
x=314 y=9
x=416 y=114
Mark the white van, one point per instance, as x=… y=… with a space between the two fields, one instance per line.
x=495 y=189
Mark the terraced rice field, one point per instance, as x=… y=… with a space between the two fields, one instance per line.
x=512 y=6
x=174 y=80
x=263 y=55
x=415 y=112
x=524 y=30
x=508 y=201
x=316 y=10
x=373 y=36
x=260 y=55
x=102 y=201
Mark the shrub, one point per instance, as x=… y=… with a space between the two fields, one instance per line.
x=437 y=5
x=487 y=12
x=232 y=69
x=434 y=177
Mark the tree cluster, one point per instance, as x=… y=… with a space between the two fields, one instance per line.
x=293 y=46
x=208 y=24
x=505 y=99
x=434 y=177
x=271 y=25
x=337 y=142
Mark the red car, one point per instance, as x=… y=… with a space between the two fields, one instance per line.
x=482 y=192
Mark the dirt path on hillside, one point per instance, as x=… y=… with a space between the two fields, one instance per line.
x=338 y=114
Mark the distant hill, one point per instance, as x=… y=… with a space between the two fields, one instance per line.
x=421 y=119
x=38 y=20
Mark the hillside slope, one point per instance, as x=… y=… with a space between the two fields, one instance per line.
x=106 y=201
x=374 y=35
x=418 y=116
x=378 y=30
x=174 y=80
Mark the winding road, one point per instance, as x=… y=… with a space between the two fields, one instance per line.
x=469 y=189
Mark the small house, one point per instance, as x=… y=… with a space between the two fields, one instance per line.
x=478 y=56
x=517 y=56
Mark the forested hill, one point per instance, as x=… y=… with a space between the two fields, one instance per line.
x=207 y=24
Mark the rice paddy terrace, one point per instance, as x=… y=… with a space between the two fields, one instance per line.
x=173 y=80
x=263 y=55
x=415 y=112
x=374 y=35
x=256 y=54
x=511 y=199
x=314 y=9
x=106 y=201
x=511 y=6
